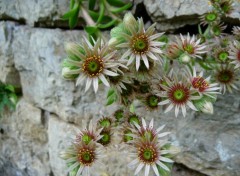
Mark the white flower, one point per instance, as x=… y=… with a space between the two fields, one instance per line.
x=82 y=156
x=227 y=77
x=178 y=94
x=201 y=84
x=140 y=44
x=235 y=54
x=191 y=46
x=94 y=62
x=149 y=154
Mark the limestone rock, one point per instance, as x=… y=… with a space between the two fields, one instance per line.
x=8 y=73
x=31 y=12
x=174 y=14
x=24 y=141
x=38 y=55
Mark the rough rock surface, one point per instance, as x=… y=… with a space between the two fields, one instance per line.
x=52 y=109
x=24 y=142
x=8 y=73
x=39 y=53
x=174 y=14
x=31 y=12
x=169 y=15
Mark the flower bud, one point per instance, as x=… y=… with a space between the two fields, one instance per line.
x=184 y=58
x=112 y=42
x=66 y=73
x=207 y=107
x=129 y=19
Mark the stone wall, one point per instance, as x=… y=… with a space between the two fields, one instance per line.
x=52 y=109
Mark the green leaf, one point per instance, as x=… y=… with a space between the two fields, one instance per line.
x=10 y=88
x=121 y=9
x=71 y=13
x=91 y=29
x=111 y=97
x=163 y=172
x=117 y=3
x=132 y=108
x=91 y=4
x=107 y=25
x=72 y=2
x=199 y=29
x=110 y=92
x=205 y=66
x=101 y=13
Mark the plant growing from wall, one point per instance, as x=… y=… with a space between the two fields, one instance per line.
x=138 y=64
x=8 y=97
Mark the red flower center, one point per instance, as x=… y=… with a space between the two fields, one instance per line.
x=148 y=153
x=200 y=84
x=179 y=94
x=86 y=156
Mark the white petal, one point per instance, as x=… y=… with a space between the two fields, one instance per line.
x=155 y=50
x=73 y=166
x=109 y=73
x=152 y=56
x=80 y=170
x=71 y=159
x=144 y=124
x=151 y=124
x=88 y=84
x=104 y=80
x=190 y=104
x=126 y=54
x=183 y=110
x=95 y=84
x=140 y=166
x=160 y=128
x=130 y=59
x=155 y=36
x=155 y=169
x=164 y=102
x=80 y=79
x=163 y=166
x=166 y=159
x=145 y=60
x=133 y=163
x=163 y=134
x=157 y=44
x=147 y=168
x=169 y=108
x=137 y=62
x=176 y=111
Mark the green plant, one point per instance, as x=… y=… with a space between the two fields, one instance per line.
x=8 y=97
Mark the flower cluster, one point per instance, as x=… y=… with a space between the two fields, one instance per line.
x=146 y=146
x=158 y=72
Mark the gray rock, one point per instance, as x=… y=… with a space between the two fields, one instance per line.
x=8 y=73
x=32 y=12
x=24 y=142
x=174 y=14
x=38 y=55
